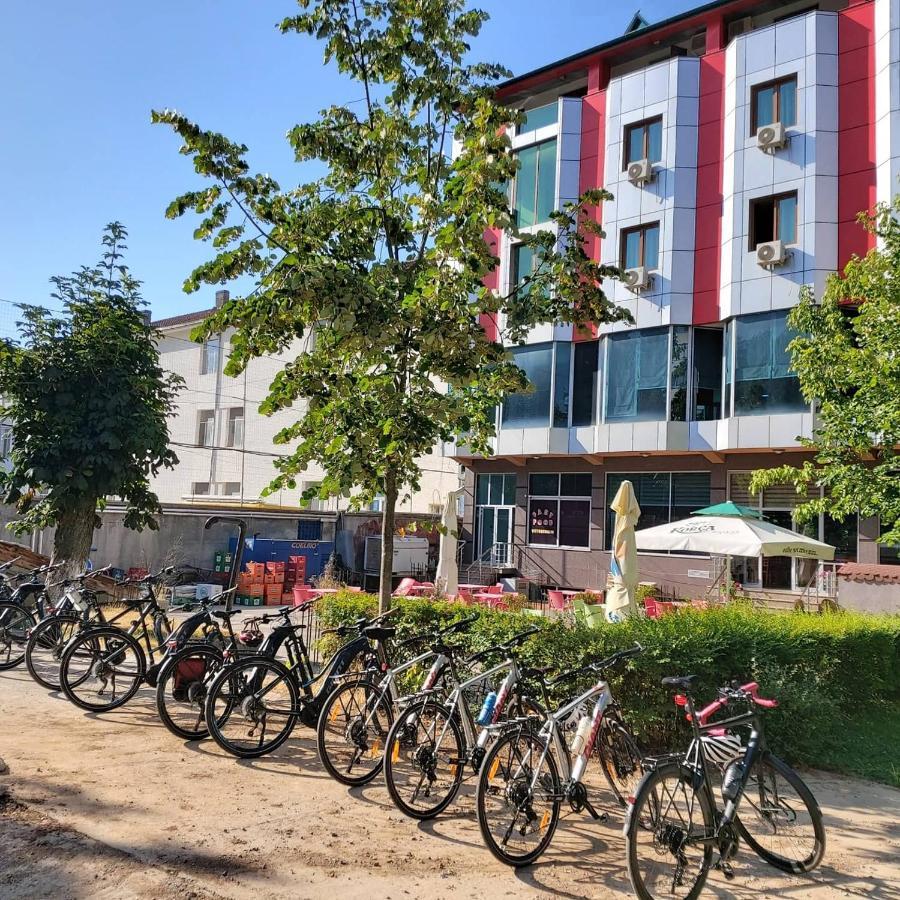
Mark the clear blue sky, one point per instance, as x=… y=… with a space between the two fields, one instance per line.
x=78 y=81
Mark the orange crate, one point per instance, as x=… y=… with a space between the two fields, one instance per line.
x=257 y=590
x=275 y=567
x=256 y=568
x=269 y=579
x=287 y=597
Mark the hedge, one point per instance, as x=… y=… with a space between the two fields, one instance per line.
x=826 y=670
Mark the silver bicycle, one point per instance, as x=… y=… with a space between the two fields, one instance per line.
x=520 y=789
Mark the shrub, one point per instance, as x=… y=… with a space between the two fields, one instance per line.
x=824 y=669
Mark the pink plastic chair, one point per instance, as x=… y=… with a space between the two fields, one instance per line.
x=402 y=589
x=665 y=607
x=494 y=589
x=651 y=608
x=556 y=599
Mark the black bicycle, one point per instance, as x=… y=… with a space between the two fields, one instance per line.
x=253 y=704
x=22 y=604
x=674 y=828
x=102 y=667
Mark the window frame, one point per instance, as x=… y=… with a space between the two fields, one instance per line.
x=775 y=200
x=205 y=416
x=558 y=498
x=776 y=84
x=206 y=368
x=641 y=230
x=516 y=182
x=629 y=129
x=230 y=436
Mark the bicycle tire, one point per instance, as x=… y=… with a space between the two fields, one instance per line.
x=107 y=646
x=50 y=635
x=515 y=792
x=15 y=624
x=165 y=690
x=395 y=743
x=640 y=825
x=620 y=759
x=785 y=863
x=230 y=679
x=356 y=730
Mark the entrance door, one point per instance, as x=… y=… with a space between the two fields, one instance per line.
x=495 y=526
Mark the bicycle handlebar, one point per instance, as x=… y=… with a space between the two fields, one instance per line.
x=514 y=641
x=11 y=562
x=744 y=692
x=599 y=666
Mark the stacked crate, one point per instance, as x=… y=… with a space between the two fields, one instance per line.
x=222 y=561
x=251 y=587
x=275 y=575
x=295 y=577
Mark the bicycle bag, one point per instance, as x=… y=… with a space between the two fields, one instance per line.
x=186 y=673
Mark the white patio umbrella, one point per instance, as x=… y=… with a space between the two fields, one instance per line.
x=447 y=575
x=729 y=534
x=623 y=566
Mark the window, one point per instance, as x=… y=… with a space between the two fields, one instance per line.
x=532 y=409
x=535 y=184
x=377 y=504
x=231 y=488
x=6 y=438
x=206 y=428
x=707 y=368
x=763 y=380
x=496 y=490
x=637 y=369
x=773 y=218
x=522 y=264
x=540 y=117
x=643 y=140
x=775 y=101
x=640 y=247
x=235 y=427
x=679 y=378
x=209 y=356
x=200 y=488
x=585 y=376
x=562 y=370
x=495 y=499
x=663 y=497
x=309 y=530
x=559 y=510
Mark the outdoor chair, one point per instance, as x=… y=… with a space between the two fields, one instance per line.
x=556 y=599
x=651 y=608
x=403 y=589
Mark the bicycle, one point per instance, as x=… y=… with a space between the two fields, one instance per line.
x=21 y=606
x=432 y=743
x=352 y=729
x=98 y=659
x=248 y=695
x=76 y=610
x=674 y=826
x=520 y=790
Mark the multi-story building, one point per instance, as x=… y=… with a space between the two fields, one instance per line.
x=226 y=447
x=740 y=141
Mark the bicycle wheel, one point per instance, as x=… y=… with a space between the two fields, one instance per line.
x=665 y=832
x=15 y=624
x=45 y=647
x=101 y=669
x=352 y=731
x=779 y=817
x=252 y=707
x=620 y=759
x=424 y=760
x=518 y=797
x=182 y=687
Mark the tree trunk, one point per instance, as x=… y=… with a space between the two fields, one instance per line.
x=387 y=542
x=72 y=541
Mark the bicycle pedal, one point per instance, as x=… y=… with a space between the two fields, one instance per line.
x=597 y=817
x=725 y=868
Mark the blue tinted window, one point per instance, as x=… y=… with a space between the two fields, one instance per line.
x=536 y=184
x=637 y=375
x=640 y=247
x=540 y=117
x=775 y=102
x=787 y=219
x=531 y=410
x=643 y=141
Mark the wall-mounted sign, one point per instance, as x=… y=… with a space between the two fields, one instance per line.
x=698 y=573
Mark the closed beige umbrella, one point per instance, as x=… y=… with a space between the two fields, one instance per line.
x=447 y=576
x=623 y=565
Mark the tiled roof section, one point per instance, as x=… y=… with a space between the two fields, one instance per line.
x=870 y=573
x=184 y=319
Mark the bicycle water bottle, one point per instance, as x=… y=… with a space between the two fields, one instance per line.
x=487 y=709
x=579 y=742
x=731 y=782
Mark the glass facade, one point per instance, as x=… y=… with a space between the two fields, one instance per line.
x=637 y=375
x=585 y=376
x=531 y=410
x=535 y=184
x=540 y=117
x=662 y=496
x=763 y=381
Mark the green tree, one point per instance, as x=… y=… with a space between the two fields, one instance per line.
x=847 y=359
x=383 y=256
x=88 y=405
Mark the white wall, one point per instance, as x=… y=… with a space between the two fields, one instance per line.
x=887 y=98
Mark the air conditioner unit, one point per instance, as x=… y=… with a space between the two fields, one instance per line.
x=771 y=137
x=771 y=253
x=637 y=279
x=640 y=171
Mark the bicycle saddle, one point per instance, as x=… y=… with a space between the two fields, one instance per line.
x=223 y=614
x=379 y=632
x=682 y=682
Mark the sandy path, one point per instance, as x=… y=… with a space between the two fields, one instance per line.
x=190 y=821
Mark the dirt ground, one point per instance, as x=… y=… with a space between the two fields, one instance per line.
x=116 y=807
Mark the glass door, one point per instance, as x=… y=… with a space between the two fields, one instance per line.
x=495 y=530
